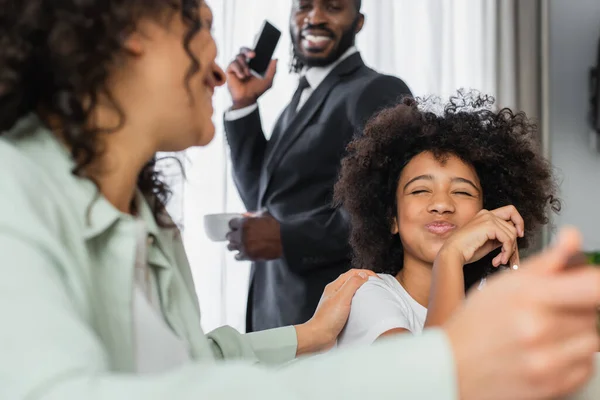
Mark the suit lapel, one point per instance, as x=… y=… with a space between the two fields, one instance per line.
x=276 y=135
x=283 y=137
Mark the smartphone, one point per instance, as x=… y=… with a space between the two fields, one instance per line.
x=264 y=48
x=585 y=258
x=593 y=258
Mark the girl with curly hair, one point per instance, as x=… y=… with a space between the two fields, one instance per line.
x=439 y=196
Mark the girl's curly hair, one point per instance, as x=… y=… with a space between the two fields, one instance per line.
x=55 y=56
x=499 y=145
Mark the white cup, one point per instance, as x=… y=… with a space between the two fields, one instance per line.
x=216 y=226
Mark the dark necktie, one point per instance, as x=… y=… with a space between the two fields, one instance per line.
x=291 y=110
x=302 y=84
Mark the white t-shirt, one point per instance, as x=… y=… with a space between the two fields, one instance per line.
x=379 y=306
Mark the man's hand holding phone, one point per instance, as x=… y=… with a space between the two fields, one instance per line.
x=251 y=73
x=245 y=87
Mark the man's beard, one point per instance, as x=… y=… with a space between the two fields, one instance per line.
x=300 y=60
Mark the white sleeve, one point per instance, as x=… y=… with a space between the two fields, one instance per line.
x=375 y=310
x=240 y=113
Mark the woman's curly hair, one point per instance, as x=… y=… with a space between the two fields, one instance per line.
x=56 y=56
x=500 y=146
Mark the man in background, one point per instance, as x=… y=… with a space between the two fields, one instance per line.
x=299 y=241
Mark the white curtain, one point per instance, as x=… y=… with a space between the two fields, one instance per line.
x=436 y=46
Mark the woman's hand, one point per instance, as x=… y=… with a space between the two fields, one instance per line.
x=487 y=231
x=321 y=332
x=541 y=339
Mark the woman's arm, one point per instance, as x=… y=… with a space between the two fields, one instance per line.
x=278 y=346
